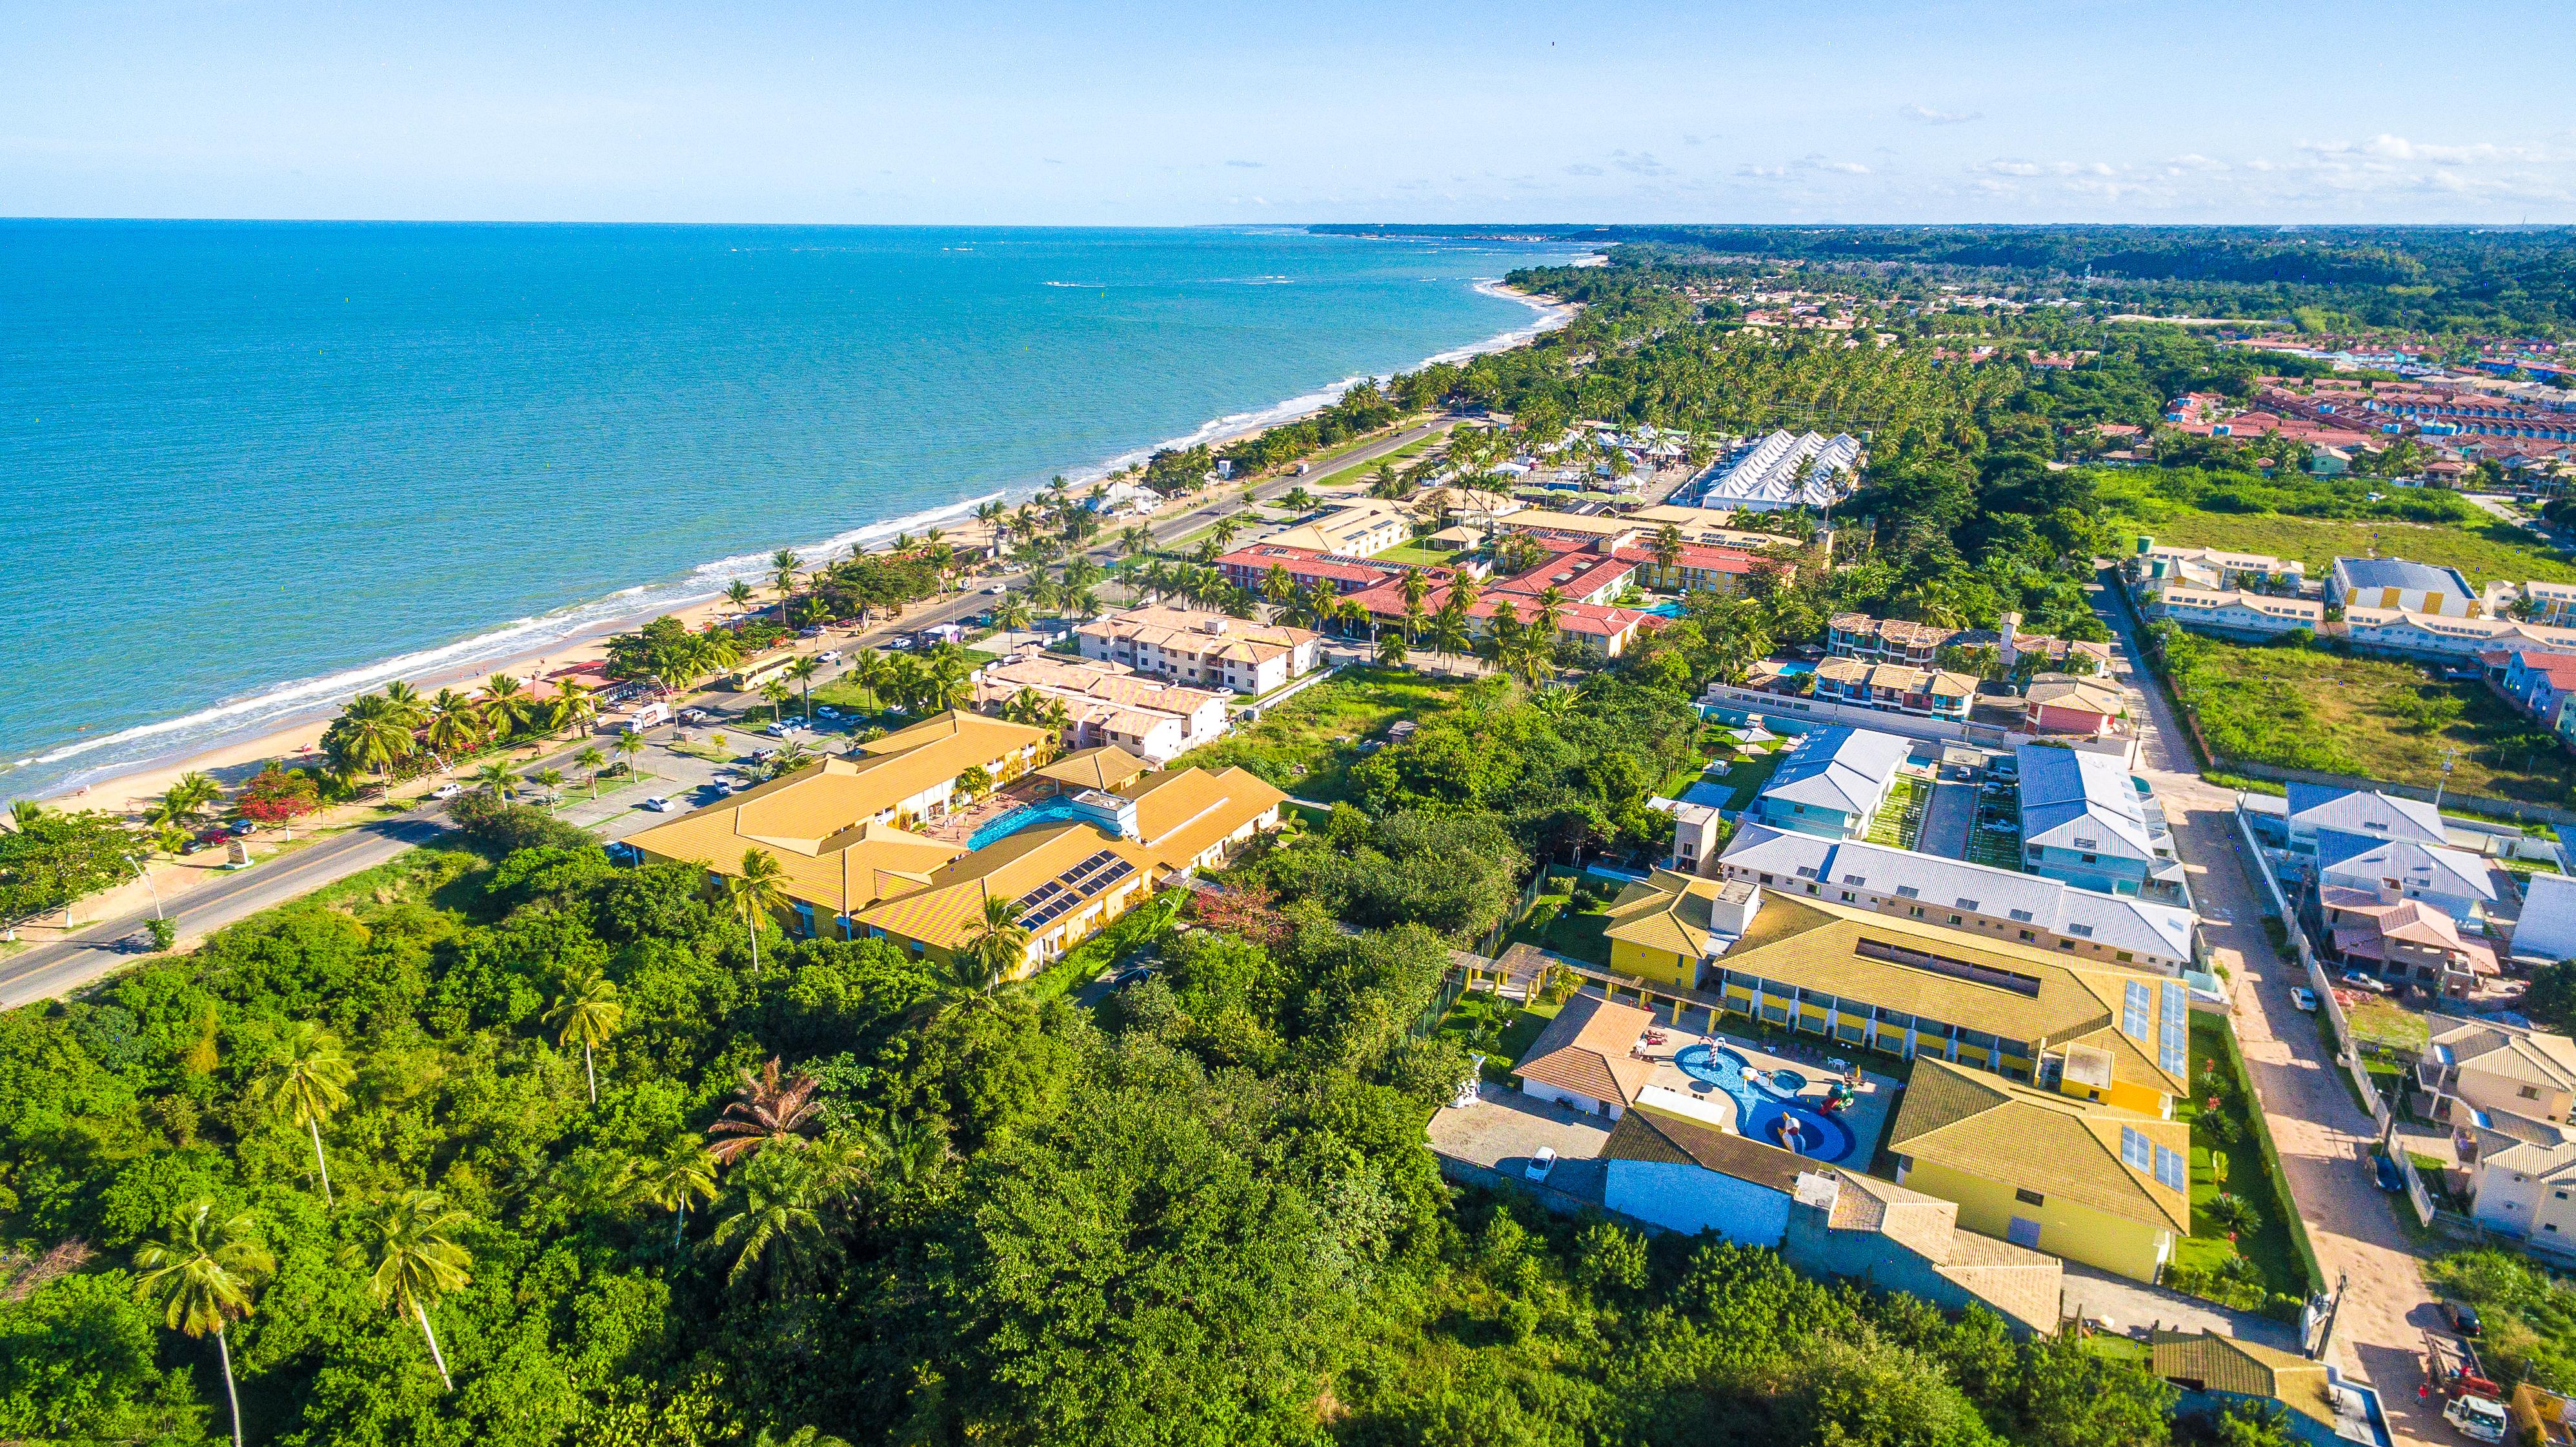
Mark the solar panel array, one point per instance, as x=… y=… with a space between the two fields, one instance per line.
x=2135 y=1010
x=2173 y=1031
x=1048 y=902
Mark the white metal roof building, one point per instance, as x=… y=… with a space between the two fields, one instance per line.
x=1833 y=781
x=1975 y=898
x=2318 y=808
x=1766 y=476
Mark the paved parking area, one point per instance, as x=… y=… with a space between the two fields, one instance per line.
x=1504 y=1128
x=1946 y=820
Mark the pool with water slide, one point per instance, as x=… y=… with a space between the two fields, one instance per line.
x=1762 y=1103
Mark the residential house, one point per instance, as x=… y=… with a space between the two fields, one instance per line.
x=2546 y=931
x=2474 y=1067
x=2234 y=614
x=1886 y=640
x=1833 y=782
x=1586 y=1058
x=2539 y=682
x=2216 y=1373
x=2080 y=1179
x=2407 y=941
x=2395 y=583
x=1689 y=1177
x=2460 y=884
x=2317 y=809
x=2218 y=570
x=1202 y=649
x=2086 y=820
x=1359 y=527
x=2056 y=703
x=1107 y=703
x=1919 y=645
x=1895 y=688
x=2551 y=604
x=2048 y=914
x=1908 y=987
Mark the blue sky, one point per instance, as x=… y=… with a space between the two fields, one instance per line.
x=966 y=112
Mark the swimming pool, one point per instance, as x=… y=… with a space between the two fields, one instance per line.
x=1762 y=1104
x=1053 y=811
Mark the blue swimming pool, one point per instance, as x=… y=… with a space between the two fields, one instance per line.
x=1053 y=811
x=1764 y=1103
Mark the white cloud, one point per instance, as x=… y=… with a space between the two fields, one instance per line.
x=1641 y=163
x=2010 y=168
x=1931 y=117
x=1580 y=168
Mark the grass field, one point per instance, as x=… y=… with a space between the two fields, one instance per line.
x=1415 y=555
x=1362 y=472
x=1556 y=922
x=2274 y=1256
x=2308 y=708
x=2386 y=1023
x=2483 y=552
x=1309 y=744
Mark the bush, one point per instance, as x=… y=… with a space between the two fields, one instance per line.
x=501 y=827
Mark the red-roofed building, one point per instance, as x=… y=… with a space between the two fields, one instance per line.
x=1580 y=577
x=2538 y=682
x=1698 y=569
x=1250 y=567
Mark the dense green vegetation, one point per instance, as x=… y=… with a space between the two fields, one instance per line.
x=2529 y=1315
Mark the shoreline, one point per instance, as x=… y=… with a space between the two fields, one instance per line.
x=300 y=709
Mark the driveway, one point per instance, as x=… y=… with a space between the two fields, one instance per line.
x=1504 y=1128
x=2133 y=1307
x=2314 y=1122
x=1946 y=820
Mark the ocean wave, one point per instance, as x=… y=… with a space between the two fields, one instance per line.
x=278 y=705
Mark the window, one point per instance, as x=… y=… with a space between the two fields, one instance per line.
x=2021 y=916
x=1969 y=905
x=2529 y=1092
x=2126 y=957
x=2173 y=1169
x=2092 y=859
x=2066 y=944
x=1854 y=879
x=1907 y=891
x=1766 y=879
x=1955 y=920
x=2030 y=1198
x=2088 y=843
x=2136 y=1149
x=2025 y=934
x=1850 y=898
x=2081 y=931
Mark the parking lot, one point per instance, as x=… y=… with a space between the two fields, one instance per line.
x=1505 y=1128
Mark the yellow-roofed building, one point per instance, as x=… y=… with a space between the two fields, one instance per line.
x=1908 y=987
x=2074 y=1178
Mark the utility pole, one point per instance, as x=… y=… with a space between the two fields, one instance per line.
x=2448 y=756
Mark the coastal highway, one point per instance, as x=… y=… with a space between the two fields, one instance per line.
x=61 y=966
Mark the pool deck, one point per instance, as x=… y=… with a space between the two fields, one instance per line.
x=1866 y=1118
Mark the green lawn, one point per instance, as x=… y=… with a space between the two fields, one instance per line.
x=1417 y=556
x=1366 y=470
x=1556 y=922
x=2276 y=1268
x=2483 y=551
x=1309 y=744
x=2379 y=1021
x=1900 y=819
x=1747 y=776
x=1501 y=1030
x=2310 y=708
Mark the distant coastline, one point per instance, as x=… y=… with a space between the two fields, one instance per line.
x=267 y=721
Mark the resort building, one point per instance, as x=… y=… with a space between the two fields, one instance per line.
x=2318 y=809
x=1592 y=628
x=1586 y=1058
x=1307 y=568
x=1919 y=645
x=1689 y=1177
x=2552 y=604
x=1070 y=880
x=2084 y=1180
x=1907 y=987
x=1201 y=649
x=1700 y=527
x=1360 y=527
x=2433 y=635
x=2401 y=586
x=2086 y=820
x=1833 y=782
x=1896 y=688
x=2028 y=909
x=1106 y=767
x=2235 y=614
x=2056 y=703
x=2218 y=570
x=1107 y=703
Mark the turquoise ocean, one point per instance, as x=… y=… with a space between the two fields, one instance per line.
x=247 y=469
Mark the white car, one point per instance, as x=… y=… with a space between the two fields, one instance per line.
x=447 y=791
x=1541 y=1163
x=828 y=655
x=693 y=715
x=659 y=804
x=2303 y=999
x=2480 y=1419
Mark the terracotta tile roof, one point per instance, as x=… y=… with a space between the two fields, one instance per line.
x=1587 y=1049
x=2207 y=1361
x=1650 y=1135
x=1104 y=767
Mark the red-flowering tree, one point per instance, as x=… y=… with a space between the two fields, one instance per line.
x=278 y=795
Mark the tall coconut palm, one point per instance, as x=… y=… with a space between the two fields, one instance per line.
x=308 y=1082
x=550 y=780
x=455 y=725
x=506 y=705
x=573 y=707
x=781 y=1220
x=803 y=671
x=496 y=780
x=755 y=894
x=998 y=946
x=201 y=1276
x=410 y=1240
x=1223 y=530
x=783 y=565
x=586 y=1009
x=768 y=1109
x=590 y=761
x=1391 y=651
x=682 y=1173
x=192 y=796
x=371 y=733
x=739 y=594
x=1135 y=539
x=1012 y=613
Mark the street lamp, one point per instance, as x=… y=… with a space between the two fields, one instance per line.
x=2448 y=755
x=145 y=875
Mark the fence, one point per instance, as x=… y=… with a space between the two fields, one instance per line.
x=2486 y=804
x=2320 y=984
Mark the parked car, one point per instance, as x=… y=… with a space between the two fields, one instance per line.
x=2303 y=999
x=659 y=804
x=2360 y=981
x=1541 y=1163
x=2463 y=1319
x=192 y=844
x=240 y=828
x=779 y=729
x=827 y=711
x=693 y=715
x=809 y=632
x=2477 y=1418
x=447 y=791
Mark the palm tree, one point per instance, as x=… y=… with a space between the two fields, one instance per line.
x=803 y=671
x=201 y=1276
x=590 y=761
x=506 y=704
x=191 y=797
x=1222 y=533
x=1668 y=552
x=739 y=594
x=308 y=1083
x=671 y=1180
x=573 y=706
x=1134 y=539
x=586 y=1010
x=416 y=1261
x=782 y=1193
x=999 y=947
x=496 y=780
x=1012 y=613
x=1391 y=651
x=1298 y=499
x=755 y=893
x=550 y=780
x=627 y=747
x=455 y=726
x=784 y=565
x=371 y=733
x=776 y=694
x=766 y=1111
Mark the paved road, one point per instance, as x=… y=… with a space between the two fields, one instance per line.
x=2313 y=1119
x=60 y=966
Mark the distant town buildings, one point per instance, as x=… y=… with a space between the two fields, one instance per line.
x=1107 y=703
